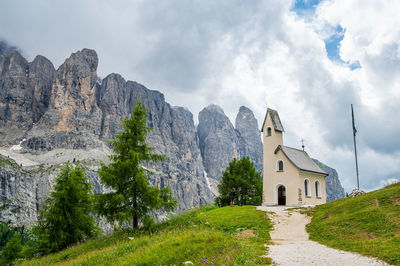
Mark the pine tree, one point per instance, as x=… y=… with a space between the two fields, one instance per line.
x=241 y=175
x=65 y=217
x=133 y=197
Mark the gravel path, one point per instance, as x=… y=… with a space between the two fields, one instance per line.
x=291 y=245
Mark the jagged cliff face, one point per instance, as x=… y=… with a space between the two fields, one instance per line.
x=218 y=140
x=25 y=89
x=173 y=134
x=73 y=118
x=48 y=117
x=23 y=189
x=68 y=110
x=249 y=137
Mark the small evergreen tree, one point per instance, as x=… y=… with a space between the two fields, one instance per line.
x=65 y=217
x=241 y=175
x=12 y=250
x=133 y=197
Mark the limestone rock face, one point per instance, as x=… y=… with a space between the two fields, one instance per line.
x=173 y=133
x=334 y=189
x=52 y=116
x=41 y=75
x=24 y=93
x=249 y=137
x=73 y=119
x=73 y=101
x=23 y=189
x=219 y=142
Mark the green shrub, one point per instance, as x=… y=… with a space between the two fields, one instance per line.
x=12 y=250
x=241 y=175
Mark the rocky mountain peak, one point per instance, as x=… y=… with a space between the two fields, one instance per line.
x=41 y=75
x=56 y=116
x=74 y=93
x=73 y=118
x=245 y=118
x=214 y=108
x=81 y=63
x=249 y=136
x=41 y=65
x=24 y=93
x=13 y=64
x=218 y=140
x=4 y=47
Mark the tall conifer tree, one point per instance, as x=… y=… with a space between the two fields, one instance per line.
x=133 y=197
x=65 y=217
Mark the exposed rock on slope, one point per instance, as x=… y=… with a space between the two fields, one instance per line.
x=334 y=189
x=24 y=94
x=73 y=118
x=218 y=140
x=173 y=134
x=249 y=137
x=23 y=189
x=48 y=117
x=69 y=110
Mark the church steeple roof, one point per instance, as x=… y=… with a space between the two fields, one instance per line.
x=276 y=121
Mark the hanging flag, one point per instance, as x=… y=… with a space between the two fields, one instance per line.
x=352 y=116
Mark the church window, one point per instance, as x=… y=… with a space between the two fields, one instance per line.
x=268 y=133
x=280 y=165
x=317 y=189
x=307 y=188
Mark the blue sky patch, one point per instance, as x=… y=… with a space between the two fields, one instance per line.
x=332 y=44
x=306 y=10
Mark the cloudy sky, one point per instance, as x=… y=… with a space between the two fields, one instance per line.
x=308 y=59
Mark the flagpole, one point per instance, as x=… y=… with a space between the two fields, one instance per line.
x=355 y=145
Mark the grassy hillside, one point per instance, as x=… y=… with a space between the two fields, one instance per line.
x=368 y=224
x=230 y=236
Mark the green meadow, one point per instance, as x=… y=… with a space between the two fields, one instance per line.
x=368 y=224
x=209 y=235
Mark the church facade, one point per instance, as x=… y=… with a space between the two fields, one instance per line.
x=290 y=176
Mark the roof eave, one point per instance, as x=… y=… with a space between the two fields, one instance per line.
x=315 y=172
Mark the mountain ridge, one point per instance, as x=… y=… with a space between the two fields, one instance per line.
x=69 y=114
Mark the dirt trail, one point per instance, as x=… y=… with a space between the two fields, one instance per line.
x=291 y=245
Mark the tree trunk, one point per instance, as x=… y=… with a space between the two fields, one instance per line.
x=135 y=216
x=135 y=221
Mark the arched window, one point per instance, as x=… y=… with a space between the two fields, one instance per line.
x=317 y=189
x=307 y=188
x=268 y=133
x=279 y=166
